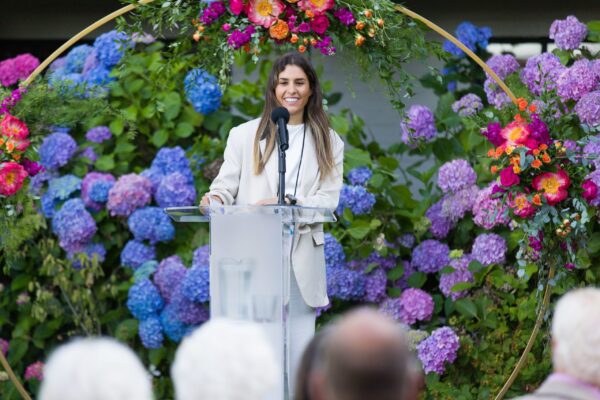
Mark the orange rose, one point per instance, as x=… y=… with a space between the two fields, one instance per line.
x=543 y=146
x=532 y=108
x=380 y=22
x=279 y=30
x=491 y=152
x=537 y=200
x=546 y=158
x=536 y=163
x=360 y=39
x=309 y=14
x=493 y=169
x=294 y=38
x=522 y=103
x=360 y=25
x=368 y=13
x=302 y=48
x=535 y=152
x=557 y=144
x=17 y=157
x=10 y=146
x=516 y=169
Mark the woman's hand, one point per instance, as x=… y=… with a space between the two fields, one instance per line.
x=206 y=200
x=266 y=202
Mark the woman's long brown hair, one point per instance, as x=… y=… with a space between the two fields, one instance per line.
x=314 y=116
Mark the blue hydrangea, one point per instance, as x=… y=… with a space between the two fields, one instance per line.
x=36 y=183
x=195 y=286
x=152 y=224
x=345 y=284
x=154 y=176
x=64 y=81
x=187 y=311
x=63 y=187
x=471 y=36
x=99 y=76
x=48 y=204
x=99 y=191
x=172 y=326
x=89 y=251
x=144 y=300
x=76 y=58
x=334 y=252
x=201 y=257
x=170 y=160
x=145 y=271
x=91 y=62
x=358 y=199
x=98 y=134
x=203 y=91
x=151 y=333
x=359 y=176
x=56 y=150
x=136 y=253
x=174 y=191
x=73 y=225
x=430 y=256
x=110 y=47
x=169 y=275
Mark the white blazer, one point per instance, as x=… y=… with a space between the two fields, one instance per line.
x=237 y=184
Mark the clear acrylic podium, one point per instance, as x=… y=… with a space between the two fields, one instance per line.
x=250 y=264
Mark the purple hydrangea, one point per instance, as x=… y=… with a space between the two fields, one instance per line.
x=568 y=33
x=173 y=327
x=136 y=253
x=441 y=224
x=195 y=285
x=460 y=274
x=588 y=108
x=356 y=198
x=76 y=58
x=88 y=155
x=591 y=151
x=187 y=311
x=151 y=333
x=402 y=283
x=144 y=300
x=90 y=251
x=415 y=305
x=438 y=349
x=503 y=65
x=56 y=150
x=489 y=248
x=391 y=307
x=495 y=95
x=489 y=211
x=541 y=72
x=375 y=285
x=168 y=276
x=419 y=125
x=203 y=91
x=4 y=344
x=456 y=205
x=175 y=191
x=73 y=225
x=345 y=16
x=577 y=80
x=201 y=257
x=36 y=183
x=386 y=263
x=345 y=284
x=167 y=161
x=95 y=188
x=468 y=105
x=456 y=175
x=359 y=176
x=430 y=256
x=407 y=240
x=110 y=47
x=334 y=252
x=152 y=224
x=63 y=187
x=98 y=134
x=129 y=193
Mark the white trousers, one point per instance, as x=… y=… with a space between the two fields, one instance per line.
x=302 y=320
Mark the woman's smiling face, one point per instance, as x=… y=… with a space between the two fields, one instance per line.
x=293 y=91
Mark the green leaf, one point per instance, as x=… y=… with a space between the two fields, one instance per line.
x=127 y=329
x=184 y=130
x=389 y=163
x=594 y=244
x=155 y=356
x=20 y=282
x=356 y=158
x=340 y=124
x=124 y=148
x=105 y=163
x=172 y=105
x=134 y=86
x=460 y=286
x=116 y=126
x=467 y=308
x=395 y=273
x=131 y=112
x=417 y=279
x=160 y=137
x=359 y=229
x=475 y=266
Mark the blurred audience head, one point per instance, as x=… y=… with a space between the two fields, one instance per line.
x=366 y=357
x=95 y=369
x=224 y=360
x=576 y=336
x=311 y=364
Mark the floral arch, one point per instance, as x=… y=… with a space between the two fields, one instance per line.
x=104 y=122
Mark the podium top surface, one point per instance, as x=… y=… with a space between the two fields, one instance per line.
x=296 y=214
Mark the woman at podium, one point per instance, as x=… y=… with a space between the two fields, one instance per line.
x=313 y=178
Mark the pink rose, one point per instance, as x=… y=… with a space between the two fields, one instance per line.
x=590 y=190
x=508 y=177
x=319 y=24
x=236 y=6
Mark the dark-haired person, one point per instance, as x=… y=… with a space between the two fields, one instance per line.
x=249 y=175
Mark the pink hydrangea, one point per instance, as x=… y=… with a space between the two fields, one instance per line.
x=129 y=193
x=415 y=305
x=35 y=371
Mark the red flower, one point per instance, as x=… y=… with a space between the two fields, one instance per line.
x=515 y=133
x=13 y=127
x=264 y=12
x=522 y=207
x=236 y=6
x=590 y=190
x=12 y=176
x=316 y=6
x=554 y=185
x=319 y=24
x=508 y=177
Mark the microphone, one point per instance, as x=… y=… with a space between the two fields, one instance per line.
x=281 y=116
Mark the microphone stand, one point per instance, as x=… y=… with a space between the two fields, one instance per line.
x=281 y=193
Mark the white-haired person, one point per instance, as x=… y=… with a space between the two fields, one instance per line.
x=225 y=360
x=95 y=369
x=575 y=349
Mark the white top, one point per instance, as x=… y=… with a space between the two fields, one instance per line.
x=292 y=157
